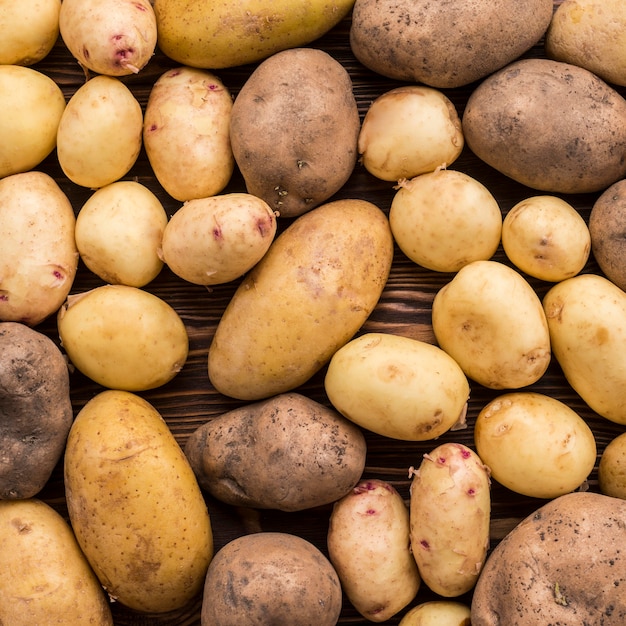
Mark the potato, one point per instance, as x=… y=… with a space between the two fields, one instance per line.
x=308 y=296
x=271 y=578
x=186 y=133
x=123 y=337
x=99 y=134
x=549 y=125
x=368 y=545
x=135 y=505
x=612 y=468
x=607 y=229
x=226 y=35
x=450 y=511
x=397 y=387
x=109 y=37
x=119 y=230
x=490 y=320
x=590 y=34
x=437 y=613
x=29 y=30
x=445 y=219
x=563 y=564
x=38 y=256
x=586 y=317
x=444 y=44
x=32 y=105
x=545 y=237
x=214 y=240
x=45 y=577
x=297 y=169
x=288 y=453
x=535 y=444
x=409 y=131
x=35 y=410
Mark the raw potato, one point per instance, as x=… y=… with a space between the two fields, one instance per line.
x=444 y=44
x=29 y=30
x=32 y=105
x=123 y=337
x=135 y=505
x=38 y=256
x=535 y=444
x=397 y=387
x=445 y=219
x=35 y=410
x=548 y=125
x=491 y=321
x=214 y=240
x=368 y=545
x=99 y=135
x=186 y=133
x=546 y=237
x=272 y=578
x=308 y=296
x=296 y=145
x=438 y=613
x=587 y=320
x=288 y=453
x=409 y=131
x=110 y=37
x=564 y=564
x=590 y=34
x=612 y=468
x=119 y=230
x=225 y=35
x=45 y=577
x=450 y=511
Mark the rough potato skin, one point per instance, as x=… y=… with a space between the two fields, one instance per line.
x=35 y=409
x=563 y=565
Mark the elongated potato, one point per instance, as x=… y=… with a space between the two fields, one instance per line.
x=368 y=544
x=311 y=292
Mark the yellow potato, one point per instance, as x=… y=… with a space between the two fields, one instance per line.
x=612 y=468
x=32 y=105
x=99 y=134
x=186 y=133
x=123 y=337
x=397 y=387
x=534 y=444
x=137 y=511
x=119 y=231
x=438 y=613
x=368 y=545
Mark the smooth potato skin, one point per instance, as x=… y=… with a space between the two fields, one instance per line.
x=612 y=468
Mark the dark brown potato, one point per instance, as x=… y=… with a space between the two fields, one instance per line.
x=35 y=410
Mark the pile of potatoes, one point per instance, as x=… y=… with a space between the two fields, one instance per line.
x=255 y=140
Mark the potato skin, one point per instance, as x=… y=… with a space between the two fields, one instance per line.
x=296 y=145
x=563 y=564
x=35 y=409
x=288 y=453
x=612 y=468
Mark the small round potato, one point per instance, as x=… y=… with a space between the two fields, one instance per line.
x=545 y=237
x=612 y=468
x=438 y=613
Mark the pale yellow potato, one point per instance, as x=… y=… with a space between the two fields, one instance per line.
x=99 y=134
x=214 y=240
x=545 y=237
x=490 y=320
x=612 y=468
x=445 y=219
x=28 y=30
x=534 y=444
x=438 y=613
x=119 y=231
x=186 y=133
x=32 y=105
x=135 y=505
x=44 y=576
x=368 y=545
x=123 y=337
x=450 y=512
x=586 y=316
x=409 y=131
x=397 y=387
x=38 y=256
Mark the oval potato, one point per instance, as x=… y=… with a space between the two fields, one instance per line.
x=612 y=468
x=438 y=613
